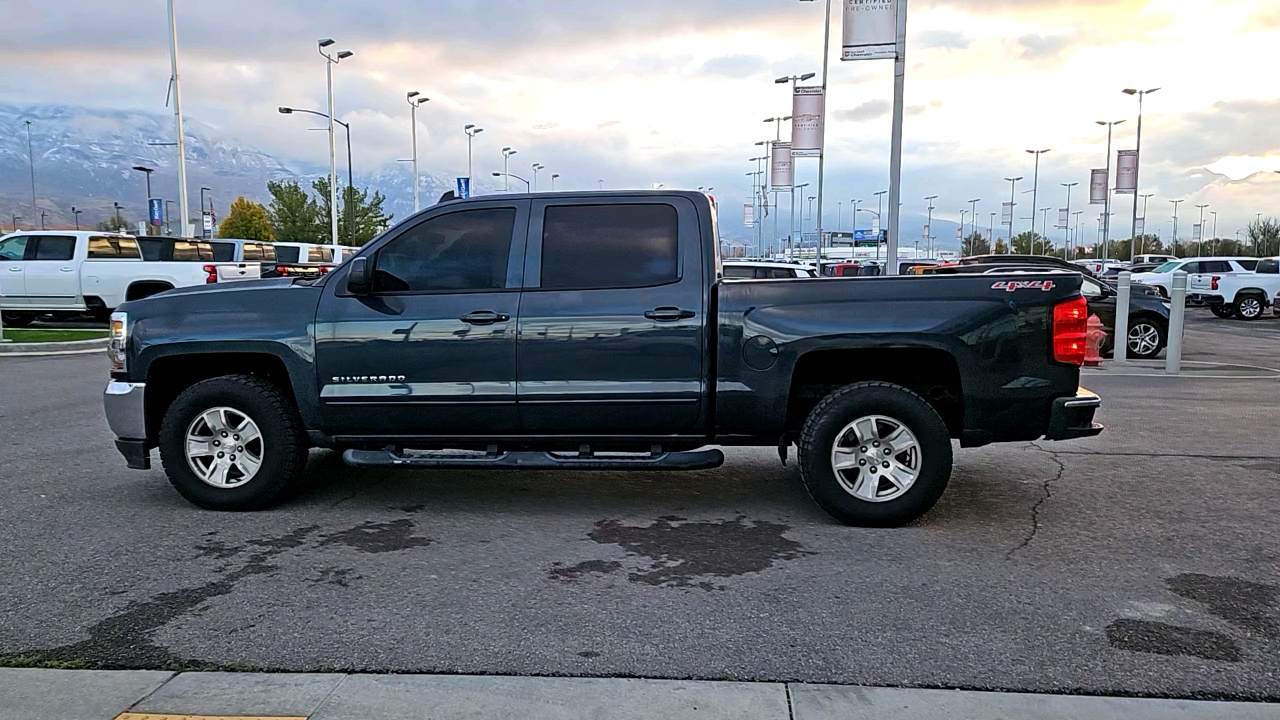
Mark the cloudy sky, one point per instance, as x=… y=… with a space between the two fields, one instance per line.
x=675 y=91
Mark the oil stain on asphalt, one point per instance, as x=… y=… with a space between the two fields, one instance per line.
x=379 y=537
x=1248 y=606
x=677 y=552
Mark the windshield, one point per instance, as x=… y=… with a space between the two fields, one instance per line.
x=1167 y=267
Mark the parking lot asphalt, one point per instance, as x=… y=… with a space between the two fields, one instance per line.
x=1141 y=562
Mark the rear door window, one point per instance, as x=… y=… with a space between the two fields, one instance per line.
x=1215 y=266
x=1268 y=267
x=287 y=254
x=55 y=247
x=739 y=271
x=587 y=247
x=319 y=255
x=223 y=252
x=105 y=248
x=1250 y=265
x=193 y=251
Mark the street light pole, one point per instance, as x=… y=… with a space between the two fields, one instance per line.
x=1066 y=222
x=1106 y=206
x=506 y=156
x=147 y=172
x=517 y=177
x=1214 y=247
x=973 y=217
x=31 y=161
x=928 y=226
x=553 y=181
x=1200 y=243
x=472 y=131
x=76 y=214
x=180 y=136
x=1035 y=191
x=1137 y=165
x=329 y=62
x=1175 y=222
x=350 y=199
x=203 y=190
x=1013 y=190
x=412 y=97
x=536 y=168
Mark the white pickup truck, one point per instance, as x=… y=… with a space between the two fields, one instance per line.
x=1246 y=295
x=67 y=273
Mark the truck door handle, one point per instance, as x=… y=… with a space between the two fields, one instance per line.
x=66 y=269
x=485 y=317
x=669 y=314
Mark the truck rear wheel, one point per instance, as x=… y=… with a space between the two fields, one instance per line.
x=1249 y=307
x=233 y=443
x=874 y=454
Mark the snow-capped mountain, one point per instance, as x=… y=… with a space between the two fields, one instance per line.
x=84 y=158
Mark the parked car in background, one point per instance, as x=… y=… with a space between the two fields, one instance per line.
x=1244 y=295
x=1112 y=274
x=300 y=260
x=1148 y=317
x=851 y=269
x=1099 y=267
x=1153 y=259
x=1021 y=262
x=1162 y=277
x=764 y=270
x=232 y=250
x=65 y=273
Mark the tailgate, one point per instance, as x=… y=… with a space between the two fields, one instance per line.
x=1200 y=283
x=234 y=272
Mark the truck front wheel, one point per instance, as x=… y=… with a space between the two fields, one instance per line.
x=874 y=454
x=233 y=443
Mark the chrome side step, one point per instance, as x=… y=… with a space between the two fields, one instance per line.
x=584 y=460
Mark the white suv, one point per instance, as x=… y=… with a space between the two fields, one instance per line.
x=1162 y=277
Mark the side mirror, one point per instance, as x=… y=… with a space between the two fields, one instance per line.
x=360 y=277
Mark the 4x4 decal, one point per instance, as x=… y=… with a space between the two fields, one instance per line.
x=1011 y=285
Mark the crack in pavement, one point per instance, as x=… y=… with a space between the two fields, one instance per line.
x=1048 y=493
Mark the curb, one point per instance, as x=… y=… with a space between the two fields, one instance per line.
x=70 y=347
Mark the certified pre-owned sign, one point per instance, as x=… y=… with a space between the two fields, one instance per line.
x=1012 y=285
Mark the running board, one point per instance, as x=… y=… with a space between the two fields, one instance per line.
x=695 y=460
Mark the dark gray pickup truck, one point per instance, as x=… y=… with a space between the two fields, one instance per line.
x=588 y=331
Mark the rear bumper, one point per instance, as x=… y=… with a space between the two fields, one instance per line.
x=1072 y=417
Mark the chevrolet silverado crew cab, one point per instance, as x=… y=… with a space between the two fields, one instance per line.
x=592 y=331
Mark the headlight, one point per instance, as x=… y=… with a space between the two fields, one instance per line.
x=119 y=341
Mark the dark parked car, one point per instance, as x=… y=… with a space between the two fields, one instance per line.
x=1043 y=262
x=592 y=331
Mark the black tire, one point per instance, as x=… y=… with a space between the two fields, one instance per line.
x=829 y=421
x=1250 y=307
x=1223 y=310
x=17 y=319
x=1139 y=327
x=283 y=446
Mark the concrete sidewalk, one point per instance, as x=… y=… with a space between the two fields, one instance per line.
x=148 y=695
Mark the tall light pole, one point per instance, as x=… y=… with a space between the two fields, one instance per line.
x=1214 y=247
x=203 y=190
x=1175 y=221
x=973 y=217
x=1066 y=222
x=928 y=227
x=1138 y=164
x=472 y=131
x=854 y=202
x=414 y=100
x=553 y=181
x=1106 y=206
x=119 y=222
x=797 y=189
x=147 y=172
x=31 y=161
x=508 y=175
x=536 y=168
x=991 y=230
x=601 y=184
x=1142 y=234
x=75 y=213
x=506 y=156
x=822 y=140
x=1044 y=230
x=329 y=62
x=1200 y=243
x=1035 y=191
x=1013 y=189
x=350 y=199
x=179 y=136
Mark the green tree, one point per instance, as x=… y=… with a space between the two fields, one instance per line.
x=1263 y=236
x=360 y=217
x=111 y=224
x=294 y=215
x=1027 y=243
x=247 y=220
x=975 y=244
x=1001 y=248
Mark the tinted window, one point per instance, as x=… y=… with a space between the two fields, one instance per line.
x=222 y=252
x=113 y=247
x=1270 y=267
x=1250 y=265
x=609 y=246
x=1191 y=268
x=184 y=250
x=286 y=254
x=1215 y=266
x=780 y=272
x=318 y=255
x=55 y=248
x=13 y=248
x=151 y=249
x=465 y=250
x=739 y=271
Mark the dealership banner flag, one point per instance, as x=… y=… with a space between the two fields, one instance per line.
x=748 y=215
x=1098 y=186
x=782 y=169
x=870 y=29
x=1126 y=172
x=1062 y=219
x=1006 y=213
x=807 y=115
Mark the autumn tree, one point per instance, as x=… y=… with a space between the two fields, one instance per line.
x=247 y=220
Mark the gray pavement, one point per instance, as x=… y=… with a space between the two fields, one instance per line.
x=144 y=695
x=1141 y=562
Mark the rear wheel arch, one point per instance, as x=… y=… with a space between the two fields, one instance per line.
x=146 y=288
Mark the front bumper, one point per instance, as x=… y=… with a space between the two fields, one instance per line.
x=1072 y=417
x=125 y=405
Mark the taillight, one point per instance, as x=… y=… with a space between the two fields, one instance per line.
x=1070 y=326
x=324 y=270
x=282 y=270
x=1216 y=278
x=213 y=274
